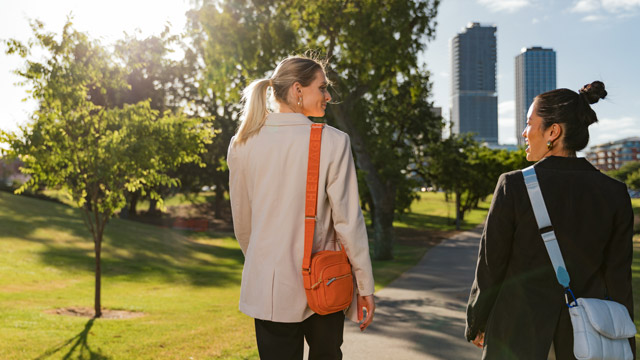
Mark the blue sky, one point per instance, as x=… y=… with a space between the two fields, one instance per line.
x=594 y=40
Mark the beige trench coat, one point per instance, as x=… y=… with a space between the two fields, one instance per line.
x=267 y=180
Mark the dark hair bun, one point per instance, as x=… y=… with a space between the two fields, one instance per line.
x=594 y=91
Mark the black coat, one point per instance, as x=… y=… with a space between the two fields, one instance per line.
x=516 y=299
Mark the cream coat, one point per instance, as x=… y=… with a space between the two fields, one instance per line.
x=267 y=180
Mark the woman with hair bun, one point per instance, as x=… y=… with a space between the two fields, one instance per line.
x=517 y=308
x=267 y=161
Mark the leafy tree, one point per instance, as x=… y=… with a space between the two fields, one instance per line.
x=633 y=180
x=447 y=167
x=380 y=89
x=625 y=171
x=461 y=165
x=152 y=75
x=231 y=43
x=75 y=141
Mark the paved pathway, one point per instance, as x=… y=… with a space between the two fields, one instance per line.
x=421 y=315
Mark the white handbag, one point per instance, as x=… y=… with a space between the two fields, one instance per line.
x=601 y=328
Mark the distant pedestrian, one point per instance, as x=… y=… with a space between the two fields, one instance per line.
x=268 y=171
x=517 y=309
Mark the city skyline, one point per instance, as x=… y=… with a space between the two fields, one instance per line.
x=474 y=101
x=588 y=36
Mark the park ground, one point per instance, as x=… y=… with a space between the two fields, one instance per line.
x=185 y=285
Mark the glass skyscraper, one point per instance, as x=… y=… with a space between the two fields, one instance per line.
x=474 y=100
x=535 y=74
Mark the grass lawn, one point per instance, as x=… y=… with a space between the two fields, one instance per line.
x=186 y=284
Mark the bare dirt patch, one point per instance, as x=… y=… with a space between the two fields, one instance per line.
x=90 y=313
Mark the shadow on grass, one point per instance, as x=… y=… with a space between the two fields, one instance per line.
x=79 y=347
x=131 y=250
x=435 y=222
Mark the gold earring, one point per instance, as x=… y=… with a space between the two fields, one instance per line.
x=549 y=145
x=300 y=101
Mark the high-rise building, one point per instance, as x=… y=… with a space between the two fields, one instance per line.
x=474 y=100
x=535 y=74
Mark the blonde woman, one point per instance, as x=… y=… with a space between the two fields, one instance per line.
x=267 y=179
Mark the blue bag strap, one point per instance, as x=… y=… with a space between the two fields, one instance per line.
x=545 y=227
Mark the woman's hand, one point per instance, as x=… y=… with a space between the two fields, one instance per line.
x=479 y=340
x=368 y=303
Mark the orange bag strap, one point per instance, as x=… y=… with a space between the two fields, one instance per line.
x=313 y=173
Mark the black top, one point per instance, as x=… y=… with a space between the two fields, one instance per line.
x=515 y=297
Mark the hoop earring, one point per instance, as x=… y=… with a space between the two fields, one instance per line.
x=549 y=144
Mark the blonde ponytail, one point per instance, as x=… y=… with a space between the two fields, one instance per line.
x=255 y=111
x=290 y=70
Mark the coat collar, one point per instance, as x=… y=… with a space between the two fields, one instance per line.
x=565 y=163
x=279 y=119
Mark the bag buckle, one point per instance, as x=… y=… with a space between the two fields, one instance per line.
x=567 y=292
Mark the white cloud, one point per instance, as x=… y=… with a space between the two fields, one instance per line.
x=607 y=129
x=593 y=18
x=586 y=6
x=505 y=5
x=507 y=122
x=608 y=6
x=621 y=5
x=535 y=21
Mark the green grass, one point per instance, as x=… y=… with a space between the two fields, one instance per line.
x=187 y=285
x=430 y=219
x=432 y=212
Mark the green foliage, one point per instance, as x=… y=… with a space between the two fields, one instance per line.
x=633 y=180
x=628 y=173
x=95 y=152
x=381 y=93
x=624 y=171
x=462 y=166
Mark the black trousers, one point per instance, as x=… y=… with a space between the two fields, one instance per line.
x=285 y=341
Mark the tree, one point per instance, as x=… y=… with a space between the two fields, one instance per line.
x=447 y=166
x=231 y=43
x=461 y=165
x=381 y=91
x=152 y=76
x=625 y=171
x=78 y=142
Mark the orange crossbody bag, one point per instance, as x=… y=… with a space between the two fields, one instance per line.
x=328 y=281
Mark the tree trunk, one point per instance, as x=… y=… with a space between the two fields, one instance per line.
x=384 y=234
x=219 y=201
x=458 y=210
x=153 y=208
x=383 y=197
x=98 y=248
x=133 y=204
